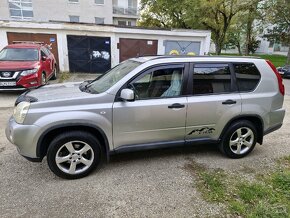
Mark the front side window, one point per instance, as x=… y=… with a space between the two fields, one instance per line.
x=21 y=9
x=112 y=76
x=248 y=76
x=211 y=79
x=19 y=54
x=161 y=83
x=43 y=54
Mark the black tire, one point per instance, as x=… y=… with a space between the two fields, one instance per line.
x=245 y=144
x=76 y=138
x=55 y=72
x=43 y=79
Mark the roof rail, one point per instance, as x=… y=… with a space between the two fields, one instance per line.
x=28 y=42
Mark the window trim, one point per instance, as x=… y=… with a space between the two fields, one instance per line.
x=234 y=88
x=184 y=91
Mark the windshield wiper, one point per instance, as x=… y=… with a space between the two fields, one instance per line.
x=84 y=85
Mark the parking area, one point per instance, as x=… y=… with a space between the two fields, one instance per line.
x=143 y=184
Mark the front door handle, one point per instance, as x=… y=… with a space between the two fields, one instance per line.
x=229 y=102
x=176 y=105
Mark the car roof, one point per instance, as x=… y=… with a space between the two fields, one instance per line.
x=24 y=45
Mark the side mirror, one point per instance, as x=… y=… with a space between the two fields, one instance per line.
x=43 y=58
x=127 y=95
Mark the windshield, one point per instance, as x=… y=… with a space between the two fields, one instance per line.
x=19 y=54
x=112 y=76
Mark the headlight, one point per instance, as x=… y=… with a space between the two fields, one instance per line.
x=20 y=111
x=29 y=72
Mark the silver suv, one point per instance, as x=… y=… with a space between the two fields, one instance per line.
x=146 y=103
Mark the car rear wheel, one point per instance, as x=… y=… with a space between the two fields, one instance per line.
x=74 y=155
x=239 y=140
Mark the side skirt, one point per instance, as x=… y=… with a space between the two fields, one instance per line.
x=161 y=145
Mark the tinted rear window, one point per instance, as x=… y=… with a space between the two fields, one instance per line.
x=211 y=79
x=248 y=76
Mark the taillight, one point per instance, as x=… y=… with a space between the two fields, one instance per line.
x=280 y=80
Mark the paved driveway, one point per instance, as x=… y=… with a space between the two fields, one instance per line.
x=144 y=184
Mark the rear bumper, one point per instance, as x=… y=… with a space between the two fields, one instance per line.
x=276 y=120
x=272 y=129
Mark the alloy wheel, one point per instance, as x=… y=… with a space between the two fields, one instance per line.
x=74 y=157
x=241 y=140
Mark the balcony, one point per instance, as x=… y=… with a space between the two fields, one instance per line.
x=125 y=11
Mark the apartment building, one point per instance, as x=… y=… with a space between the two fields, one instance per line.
x=117 y=12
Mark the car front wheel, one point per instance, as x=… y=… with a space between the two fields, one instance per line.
x=239 y=140
x=54 y=73
x=74 y=155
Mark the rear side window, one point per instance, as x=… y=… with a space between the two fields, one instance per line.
x=211 y=79
x=248 y=76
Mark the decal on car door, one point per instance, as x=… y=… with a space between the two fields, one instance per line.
x=202 y=131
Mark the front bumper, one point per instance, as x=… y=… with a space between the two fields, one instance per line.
x=22 y=83
x=24 y=137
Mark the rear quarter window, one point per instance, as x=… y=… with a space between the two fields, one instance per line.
x=248 y=76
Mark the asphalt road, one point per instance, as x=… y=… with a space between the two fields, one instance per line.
x=144 y=184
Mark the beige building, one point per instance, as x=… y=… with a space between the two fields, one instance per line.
x=117 y=12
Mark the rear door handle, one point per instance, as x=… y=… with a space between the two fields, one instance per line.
x=229 y=102
x=176 y=105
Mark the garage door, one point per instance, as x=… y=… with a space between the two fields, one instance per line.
x=35 y=37
x=130 y=48
x=89 y=54
x=181 y=48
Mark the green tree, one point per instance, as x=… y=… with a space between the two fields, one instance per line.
x=279 y=16
x=251 y=15
x=163 y=13
x=215 y=15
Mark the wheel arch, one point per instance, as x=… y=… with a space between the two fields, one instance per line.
x=48 y=135
x=256 y=120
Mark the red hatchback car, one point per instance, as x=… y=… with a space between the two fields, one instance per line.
x=26 y=65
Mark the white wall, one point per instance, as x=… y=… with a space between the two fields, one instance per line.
x=115 y=33
x=59 y=10
x=3 y=39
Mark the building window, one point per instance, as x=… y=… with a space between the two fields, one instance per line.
x=99 y=2
x=21 y=9
x=132 y=3
x=125 y=23
x=74 y=19
x=73 y=1
x=122 y=23
x=99 y=20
